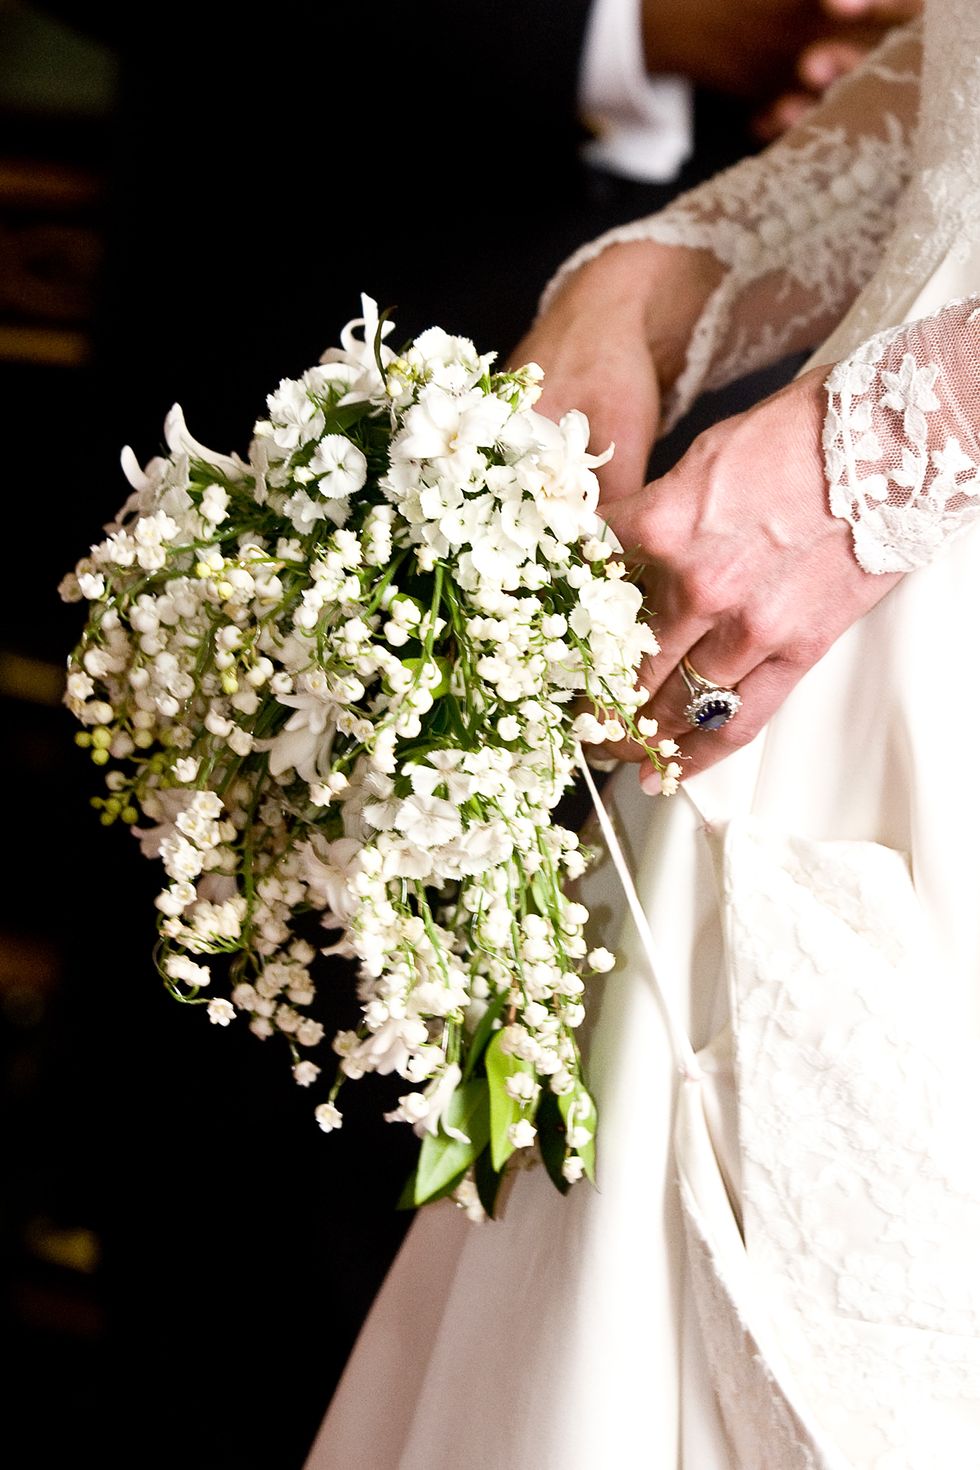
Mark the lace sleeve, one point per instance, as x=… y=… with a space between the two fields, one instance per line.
x=902 y=438
x=799 y=229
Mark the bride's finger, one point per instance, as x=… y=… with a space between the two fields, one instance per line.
x=762 y=692
x=687 y=602
x=675 y=636
x=723 y=657
x=722 y=662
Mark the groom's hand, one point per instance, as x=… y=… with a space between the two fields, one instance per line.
x=616 y=330
x=853 y=28
x=779 y=54
x=751 y=48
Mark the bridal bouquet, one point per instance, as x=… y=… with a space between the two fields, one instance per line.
x=345 y=677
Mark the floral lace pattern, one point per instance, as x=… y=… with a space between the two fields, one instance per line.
x=938 y=216
x=803 y=225
x=765 y=1431
x=901 y=446
x=861 y=1199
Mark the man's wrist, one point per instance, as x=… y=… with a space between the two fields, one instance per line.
x=662 y=289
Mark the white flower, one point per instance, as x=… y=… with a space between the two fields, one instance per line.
x=559 y=470
x=522 y=1134
x=306 y=739
x=295 y=415
x=446 y=426
x=364 y=381
x=179 y=967
x=412 y=1108
x=442 y=768
x=522 y=1087
x=588 y=729
x=610 y=607
x=388 y=1048
x=331 y=871
x=214 y=504
x=428 y=821
x=306 y=1073
x=340 y=467
x=80 y=685
x=221 y=1012
x=91 y=585
x=175 y=899
x=181 y=442
x=304 y=511
x=218 y=724
x=309 y=1033
x=240 y=741
x=181 y=859
x=572 y=1168
x=437 y=1096
x=328 y=1116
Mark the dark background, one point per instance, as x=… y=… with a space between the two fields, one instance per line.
x=188 y=210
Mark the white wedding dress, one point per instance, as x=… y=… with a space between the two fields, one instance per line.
x=780 y=1267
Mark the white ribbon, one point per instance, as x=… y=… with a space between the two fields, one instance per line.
x=684 y=1054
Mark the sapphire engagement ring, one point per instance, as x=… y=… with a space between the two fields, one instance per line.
x=710 y=705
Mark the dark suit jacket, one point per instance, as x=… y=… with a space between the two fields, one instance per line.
x=424 y=152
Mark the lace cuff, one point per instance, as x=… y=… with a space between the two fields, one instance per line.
x=902 y=438
x=799 y=229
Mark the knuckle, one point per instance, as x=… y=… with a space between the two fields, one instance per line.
x=804 y=650
x=702 y=587
x=663 y=532
x=759 y=625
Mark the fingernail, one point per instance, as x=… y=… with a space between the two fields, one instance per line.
x=650 y=781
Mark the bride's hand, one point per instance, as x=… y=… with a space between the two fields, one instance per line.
x=747 y=571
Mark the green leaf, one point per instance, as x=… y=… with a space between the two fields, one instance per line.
x=551 y=1139
x=407 y=1200
x=338 y=419
x=442 y=1159
x=543 y=893
x=474 y=1049
x=442 y=664
x=585 y=1115
x=488 y=1182
x=504 y=1110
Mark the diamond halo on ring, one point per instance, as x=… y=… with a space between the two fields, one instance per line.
x=710 y=705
